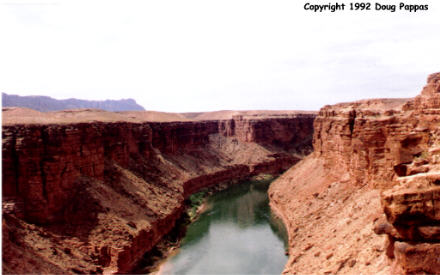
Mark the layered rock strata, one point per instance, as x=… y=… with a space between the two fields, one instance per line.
x=412 y=206
x=94 y=196
x=374 y=157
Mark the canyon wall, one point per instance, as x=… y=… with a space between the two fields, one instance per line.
x=94 y=196
x=377 y=141
x=412 y=205
x=374 y=157
x=278 y=131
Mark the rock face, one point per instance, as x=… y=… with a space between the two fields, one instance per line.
x=412 y=207
x=368 y=139
x=95 y=196
x=46 y=104
x=373 y=156
x=276 y=131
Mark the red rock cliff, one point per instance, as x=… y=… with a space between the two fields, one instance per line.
x=93 y=196
x=276 y=131
x=369 y=156
x=412 y=206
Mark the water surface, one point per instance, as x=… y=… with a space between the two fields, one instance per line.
x=237 y=234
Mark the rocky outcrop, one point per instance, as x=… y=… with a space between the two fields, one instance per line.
x=368 y=139
x=412 y=225
x=95 y=196
x=412 y=206
x=428 y=102
x=380 y=148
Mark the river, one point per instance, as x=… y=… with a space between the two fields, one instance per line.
x=236 y=234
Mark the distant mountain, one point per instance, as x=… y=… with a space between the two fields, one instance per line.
x=46 y=104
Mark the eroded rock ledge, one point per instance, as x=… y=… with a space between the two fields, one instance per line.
x=371 y=158
x=93 y=196
x=412 y=206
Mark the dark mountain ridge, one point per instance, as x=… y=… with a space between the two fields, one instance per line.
x=46 y=104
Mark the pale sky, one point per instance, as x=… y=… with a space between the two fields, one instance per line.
x=182 y=56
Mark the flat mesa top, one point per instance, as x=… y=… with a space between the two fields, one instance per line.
x=19 y=115
x=377 y=104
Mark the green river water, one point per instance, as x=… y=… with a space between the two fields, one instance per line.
x=237 y=234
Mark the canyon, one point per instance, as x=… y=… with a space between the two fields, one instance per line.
x=89 y=191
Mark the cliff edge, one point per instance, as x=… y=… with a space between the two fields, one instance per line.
x=375 y=169
x=89 y=191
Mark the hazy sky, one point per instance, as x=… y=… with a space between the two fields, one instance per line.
x=211 y=55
